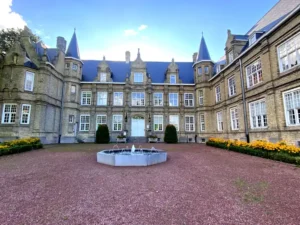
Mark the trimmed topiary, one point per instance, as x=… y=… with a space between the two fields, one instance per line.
x=170 y=134
x=102 y=134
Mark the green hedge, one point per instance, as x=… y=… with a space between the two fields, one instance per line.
x=171 y=134
x=278 y=156
x=20 y=148
x=102 y=134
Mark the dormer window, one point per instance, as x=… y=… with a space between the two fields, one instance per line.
x=138 y=78
x=200 y=71
x=230 y=56
x=173 y=79
x=102 y=77
x=75 y=67
x=252 y=39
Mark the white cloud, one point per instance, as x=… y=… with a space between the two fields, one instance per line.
x=130 y=32
x=143 y=27
x=8 y=18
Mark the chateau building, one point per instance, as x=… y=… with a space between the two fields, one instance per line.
x=252 y=93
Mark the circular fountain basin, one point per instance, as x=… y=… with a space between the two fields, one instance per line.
x=124 y=157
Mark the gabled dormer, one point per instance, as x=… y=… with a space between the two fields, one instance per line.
x=254 y=37
x=103 y=72
x=172 y=74
x=138 y=73
x=234 y=45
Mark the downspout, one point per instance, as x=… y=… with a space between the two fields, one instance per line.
x=244 y=102
x=61 y=112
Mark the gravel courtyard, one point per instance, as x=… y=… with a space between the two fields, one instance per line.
x=63 y=184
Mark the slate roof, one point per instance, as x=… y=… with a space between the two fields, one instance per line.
x=203 y=53
x=73 y=49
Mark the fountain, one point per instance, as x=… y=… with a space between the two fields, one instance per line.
x=131 y=157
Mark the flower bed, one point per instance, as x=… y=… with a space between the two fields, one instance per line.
x=20 y=145
x=279 y=151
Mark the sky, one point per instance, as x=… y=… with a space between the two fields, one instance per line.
x=162 y=29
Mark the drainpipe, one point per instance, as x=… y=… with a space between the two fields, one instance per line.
x=61 y=112
x=244 y=102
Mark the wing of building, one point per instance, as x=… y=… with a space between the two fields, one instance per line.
x=252 y=93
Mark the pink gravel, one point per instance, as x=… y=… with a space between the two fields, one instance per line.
x=197 y=185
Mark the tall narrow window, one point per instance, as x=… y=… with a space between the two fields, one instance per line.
x=138 y=77
x=138 y=99
x=118 y=98
x=86 y=98
x=172 y=79
x=231 y=86
x=29 y=80
x=84 y=123
x=67 y=66
x=71 y=118
x=230 y=56
x=254 y=74
x=188 y=99
x=218 y=93
x=201 y=97
x=158 y=99
x=220 y=121
x=292 y=107
x=173 y=99
x=102 y=98
x=117 y=122
x=9 y=113
x=202 y=122
x=199 y=70
x=189 y=123
x=258 y=114
x=234 y=116
x=74 y=67
x=100 y=119
x=73 y=89
x=206 y=70
x=174 y=120
x=102 y=77
x=25 y=116
x=158 y=122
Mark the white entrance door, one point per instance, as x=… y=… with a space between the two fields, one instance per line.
x=137 y=127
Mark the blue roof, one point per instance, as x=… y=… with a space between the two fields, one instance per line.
x=274 y=23
x=203 y=53
x=156 y=70
x=240 y=37
x=73 y=49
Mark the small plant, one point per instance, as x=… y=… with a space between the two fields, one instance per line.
x=102 y=134
x=121 y=136
x=152 y=136
x=171 y=134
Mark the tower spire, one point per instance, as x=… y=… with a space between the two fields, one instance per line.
x=73 y=49
x=203 y=53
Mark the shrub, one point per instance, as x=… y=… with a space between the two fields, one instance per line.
x=102 y=134
x=20 y=145
x=170 y=134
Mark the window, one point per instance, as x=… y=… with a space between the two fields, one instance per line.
x=289 y=53
x=100 y=119
x=9 y=113
x=234 y=119
x=254 y=73
x=172 y=79
x=84 y=122
x=188 y=99
x=258 y=114
x=189 y=123
x=102 y=98
x=73 y=89
x=117 y=122
x=74 y=67
x=199 y=70
x=118 y=98
x=158 y=122
x=230 y=56
x=158 y=99
x=138 y=98
x=218 y=93
x=231 y=86
x=138 y=78
x=292 y=107
x=201 y=97
x=206 y=70
x=71 y=118
x=173 y=99
x=174 y=120
x=202 y=122
x=252 y=39
x=29 y=80
x=86 y=97
x=67 y=65
x=25 y=116
x=220 y=121
x=102 y=77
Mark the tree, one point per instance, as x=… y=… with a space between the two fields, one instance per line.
x=102 y=134
x=171 y=134
x=9 y=36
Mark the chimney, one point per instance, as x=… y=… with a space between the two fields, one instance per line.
x=195 y=57
x=127 y=56
x=61 y=44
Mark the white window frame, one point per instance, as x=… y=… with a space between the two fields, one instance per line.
x=172 y=100
x=202 y=122
x=252 y=39
x=71 y=118
x=138 y=77
x=188 y=102
x=218 y=93
x=220 y=124
x=258 y=114
x=103 y=77
x=201 y=97
x=10 y=113
x=174 y=120
x=118 y=98
x=102 y=98
x=159 y=121
x=118 y=121
x=85 y=98
x=231 y=86
x=158 y=99
x=285 y=51
x=138 y=98
x=230 y=56
x=254 y=73
x=172 y=79
x=29 y=81
x=73 y=89
x=86 y=123
x=234 y=119
x=25 y=114
x=293 y=106
x=190 y=124
x=99 y=120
